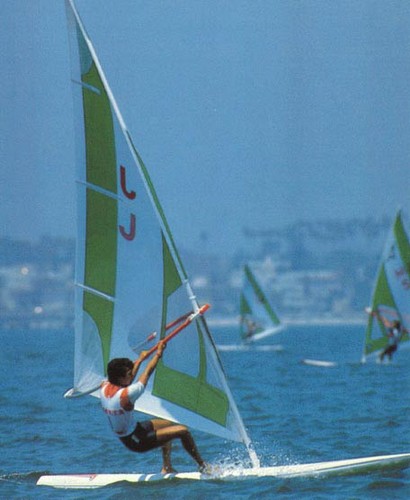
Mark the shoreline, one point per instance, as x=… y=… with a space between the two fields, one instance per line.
x=318 y=321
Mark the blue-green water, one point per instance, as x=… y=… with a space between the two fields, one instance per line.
x=294 y=413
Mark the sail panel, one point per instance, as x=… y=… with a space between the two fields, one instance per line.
x=131 y=281
x=101 y=242
x=100 y=149
x=383 y=301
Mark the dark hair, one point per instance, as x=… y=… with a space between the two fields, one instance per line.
x=396 y=324
x=117 y=368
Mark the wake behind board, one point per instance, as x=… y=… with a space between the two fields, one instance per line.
x=249 y=347
x=335 y=467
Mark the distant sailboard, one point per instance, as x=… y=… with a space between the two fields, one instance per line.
x=391 y=294
x=318 y=362
x=320 y=469
x=258 y=320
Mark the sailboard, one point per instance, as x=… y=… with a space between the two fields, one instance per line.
x=391 y=294
x=258 y=320
x=130 y=279
x=319 y=362
x=320 y=469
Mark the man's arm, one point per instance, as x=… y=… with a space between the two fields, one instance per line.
x=137 y=363
x=381 y=318
x=145 y=375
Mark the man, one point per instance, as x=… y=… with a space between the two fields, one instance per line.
x=118 y=396
x=395 y=332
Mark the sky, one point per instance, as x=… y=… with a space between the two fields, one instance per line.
x=253 y=114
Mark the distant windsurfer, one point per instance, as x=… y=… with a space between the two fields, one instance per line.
x=251 y=327
x=118 y=395
x=395 y=332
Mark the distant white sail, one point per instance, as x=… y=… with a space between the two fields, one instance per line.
x=391 y=295
x=257 y=317
x=130 y=279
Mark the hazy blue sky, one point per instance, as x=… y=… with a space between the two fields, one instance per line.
x=247 y=113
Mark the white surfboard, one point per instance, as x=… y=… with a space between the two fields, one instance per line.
x=318 y=362
x=336 y=467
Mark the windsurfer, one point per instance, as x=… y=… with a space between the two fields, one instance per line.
x=395 y=332
x=118 y=395
x=251 y=328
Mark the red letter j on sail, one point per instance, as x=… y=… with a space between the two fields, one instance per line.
x=129 y=235
x=129 y=194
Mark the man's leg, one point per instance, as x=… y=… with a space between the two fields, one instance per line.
x=166 y=431
x=166 y=459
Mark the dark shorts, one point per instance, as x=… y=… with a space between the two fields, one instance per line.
x=391 y=349
x=143 y=438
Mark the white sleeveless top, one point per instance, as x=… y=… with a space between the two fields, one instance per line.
x=118 y=404
x=394 y=336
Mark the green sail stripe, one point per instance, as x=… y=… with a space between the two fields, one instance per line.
x=101 y=211
x=100 y=264
x=402 y=243
x=261 y=296
x=171 y=279
x=101 y=243
x=101 y=311
x=193 y=393
x=244 y=306
x=383 y=294
x=99 y=134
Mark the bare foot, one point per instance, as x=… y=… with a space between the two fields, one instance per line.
x=168 y=470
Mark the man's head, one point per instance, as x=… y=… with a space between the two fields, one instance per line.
x=396 y=324
x=117 y=369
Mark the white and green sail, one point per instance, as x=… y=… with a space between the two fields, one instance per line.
x=257 y=317
x=391 y=295
x=130 y=280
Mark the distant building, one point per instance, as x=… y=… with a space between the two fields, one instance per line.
x=308 y=270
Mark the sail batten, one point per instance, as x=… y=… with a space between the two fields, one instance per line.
x=87 y=86
x=105 y=192
x=95 y=291
x=130 y=276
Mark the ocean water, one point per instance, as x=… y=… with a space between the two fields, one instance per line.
x=294 y=413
